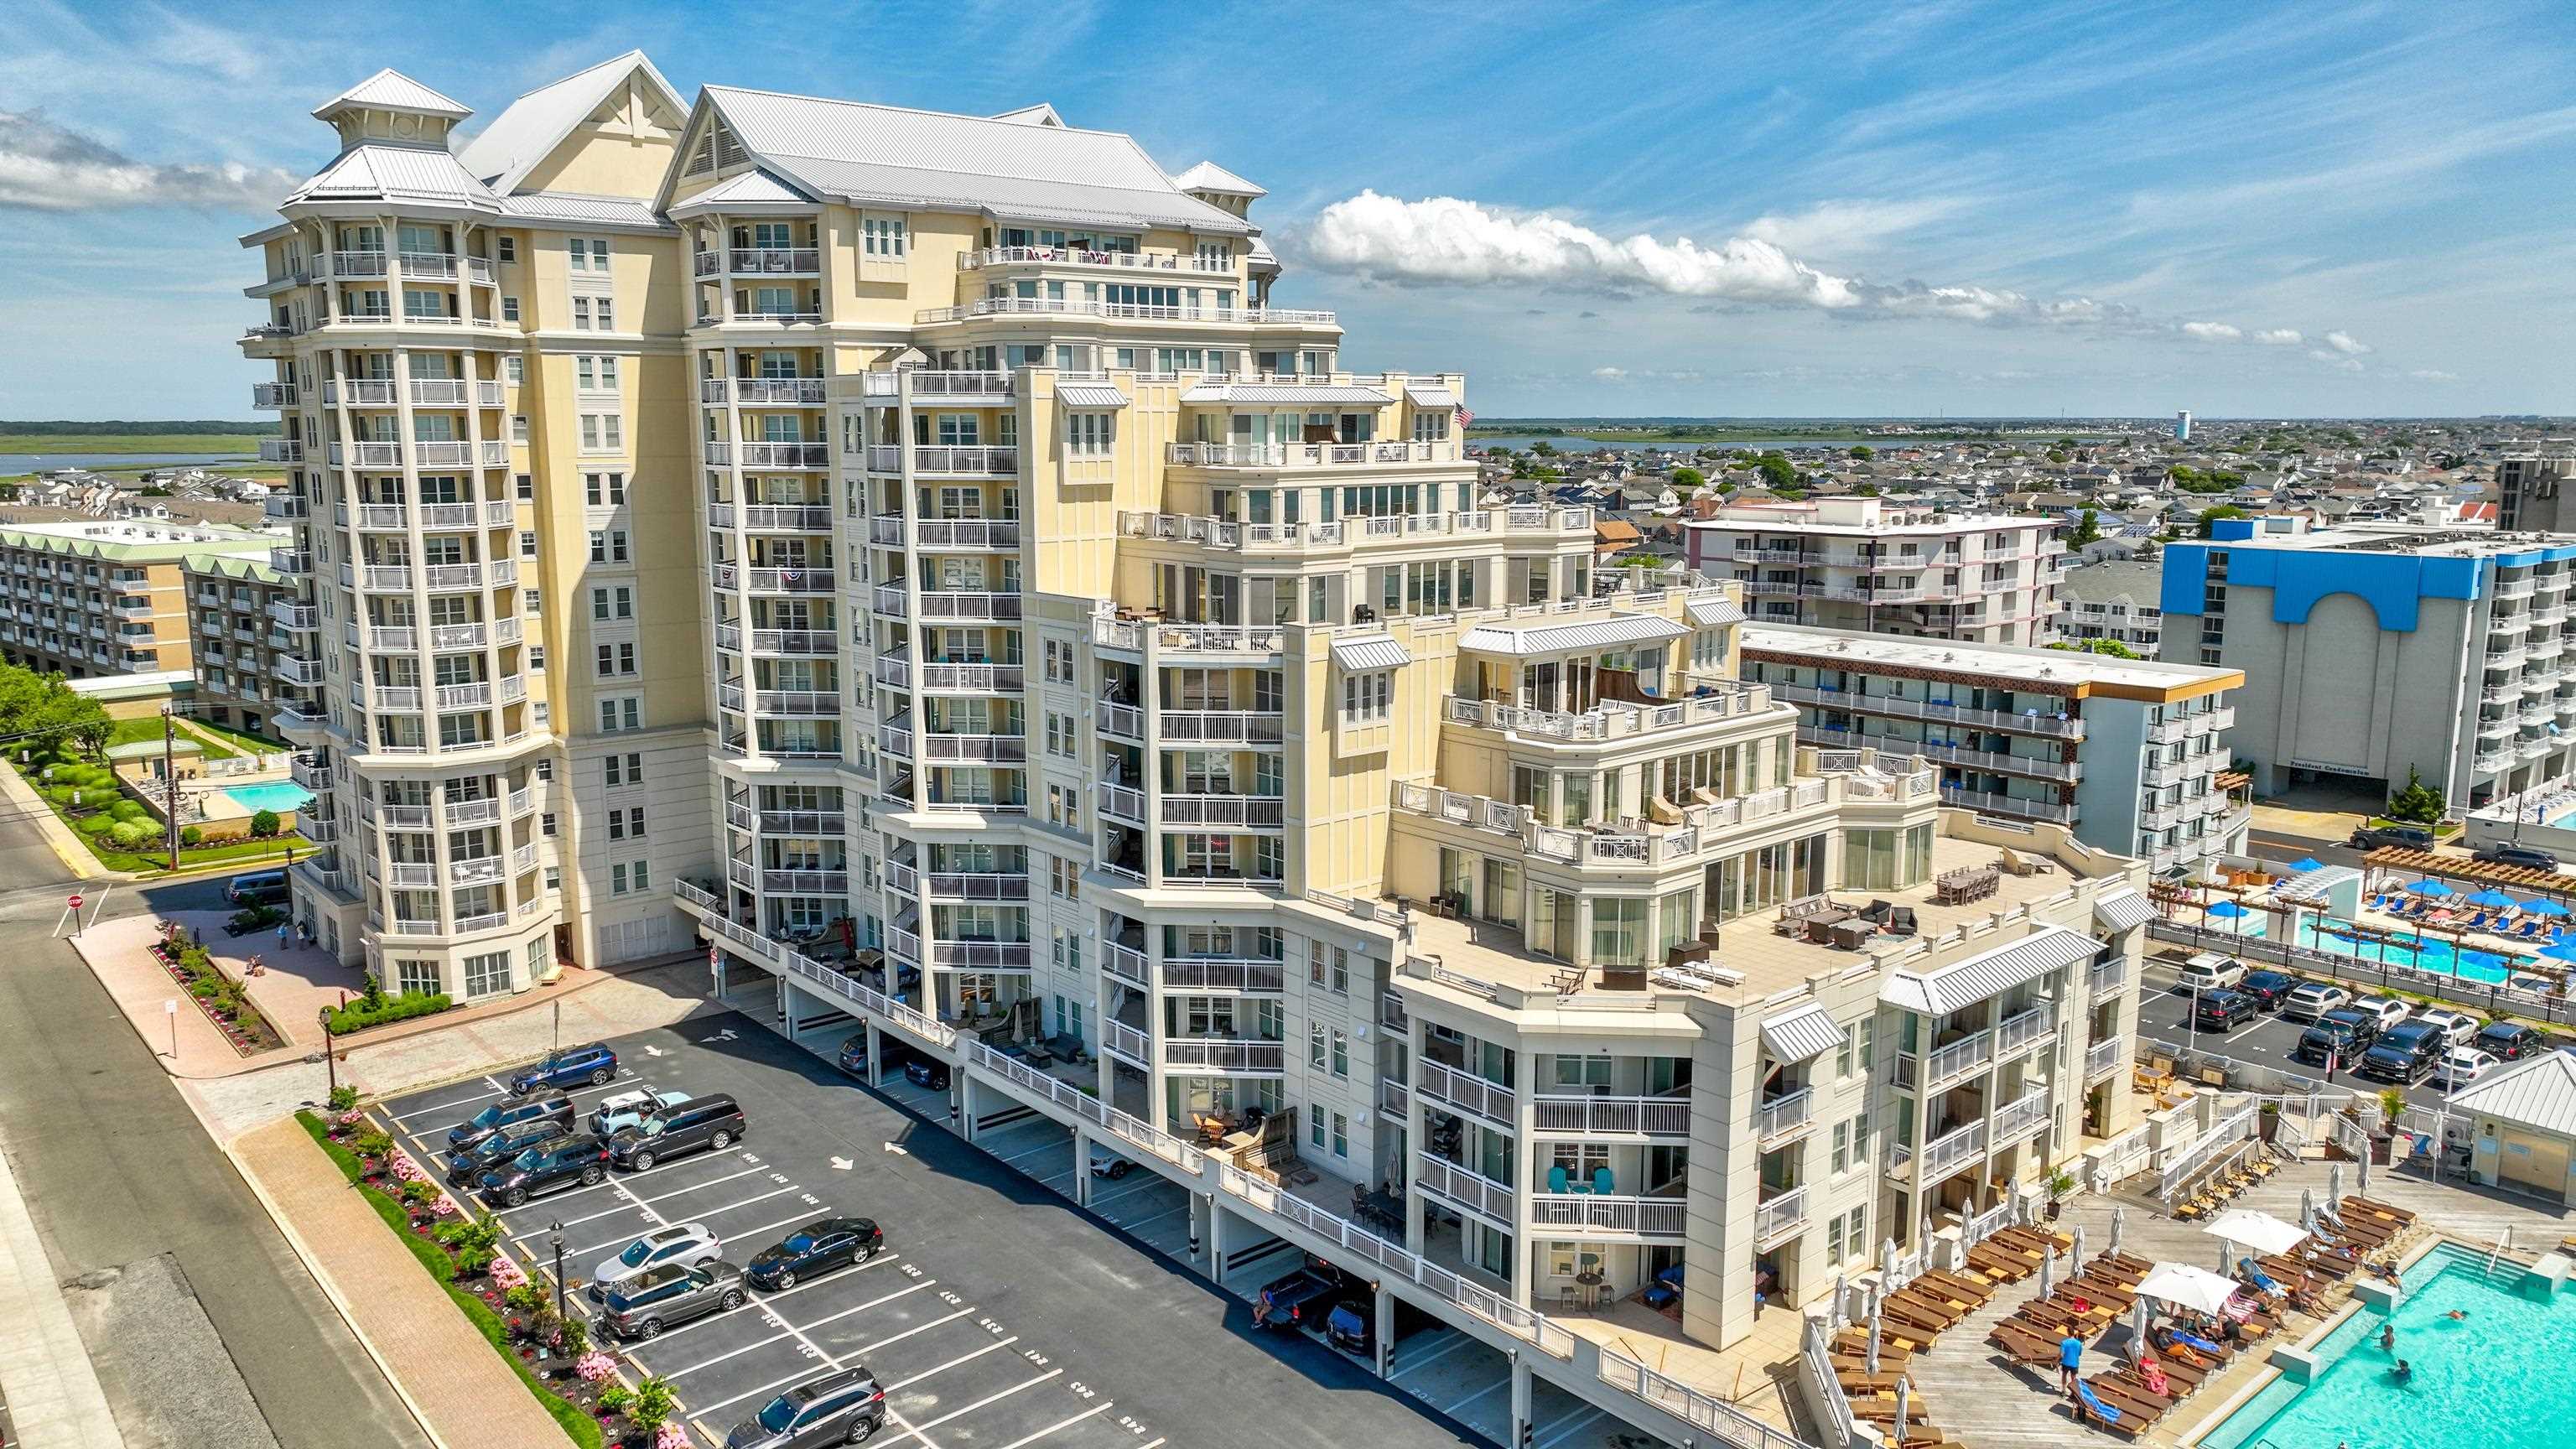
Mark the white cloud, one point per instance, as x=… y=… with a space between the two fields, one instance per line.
x=1848 y=226
x=2279 y=337
x=2345 y=343
x=2433 y=374
x=2335 y=359
x=1610 y=374
x=45 y=167
x=2213 y=331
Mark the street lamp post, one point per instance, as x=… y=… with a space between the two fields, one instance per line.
x=554 y=1239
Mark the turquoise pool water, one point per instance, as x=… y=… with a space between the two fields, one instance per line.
x=281 y=796
x=2436 y=954
x=2496 y=1380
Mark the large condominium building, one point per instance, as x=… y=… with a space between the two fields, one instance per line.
x=914 y=550
x=94 y=599
x=2115 y=599
x=2371 y=649
x=244 y=654
x=2532 y=496
x=1878 y=565
x=2125 y=753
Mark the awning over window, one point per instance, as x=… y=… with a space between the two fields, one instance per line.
x=1370 y=651
x=1090 y=395
x=1430 y=396
x=1938 y=993
x=2122 y=910
x=1709 y=613
x=1802 y=1034
x=1528 y=640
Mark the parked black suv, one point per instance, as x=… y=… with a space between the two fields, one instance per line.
x=844 y=1407
x=712 y=1121
x=2410 y=837
x=2366 y=1025
x=502 y=1116
x=2220 y=1011
x=2268 y=988
x=2528 y=857
x=2333 y=1035
x=817 y=1247
x=466 y=1164
x=2510 y=1042
x=670 y=1295
x=580 y=1158
x=2408 y=1053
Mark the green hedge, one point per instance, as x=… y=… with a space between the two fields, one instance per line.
x=578 y=1425
x=359 y=1016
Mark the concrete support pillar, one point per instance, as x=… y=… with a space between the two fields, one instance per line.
x=1202 y=1229
x=1523 y=1431
x=780 y=1006
x=1382 y=1313
x=1081 y=1168
x=1216 y=1239
x=961 y=1103
x=876 y=1053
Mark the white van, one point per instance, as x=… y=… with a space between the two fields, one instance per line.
x=2209 y=971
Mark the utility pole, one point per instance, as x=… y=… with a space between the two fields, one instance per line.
x=169 y=784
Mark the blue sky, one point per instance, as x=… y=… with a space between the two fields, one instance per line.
x=1774 y=209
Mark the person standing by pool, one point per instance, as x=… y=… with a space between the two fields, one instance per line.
x=2388 y=1338
x=2070 y=1359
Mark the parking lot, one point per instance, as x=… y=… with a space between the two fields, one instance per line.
x=995 y=1318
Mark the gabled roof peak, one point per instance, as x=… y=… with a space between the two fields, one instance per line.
x=1040 y=114
x=391 y=90
x=1209 y=176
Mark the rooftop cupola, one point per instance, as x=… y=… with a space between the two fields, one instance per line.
x=390 y=107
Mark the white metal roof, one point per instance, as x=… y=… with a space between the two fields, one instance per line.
x=1429 y=395
x=1524 y=640
x=2538 y=1092
x=1209 y=176
x=408 y=173
x=1709 y=613
x=1283 y=392
x=1802 y=1034
x=1961 y=983
x=933 y=161
x=1041 y=114
x=757 y=186
x=391 y=90
x=1090 y=395
x=1370 y=651
x=575 y=209
x=535 y=124
x=2122 y=910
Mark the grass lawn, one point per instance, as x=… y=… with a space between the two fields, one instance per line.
x=237 y=741
x=52 y=443
x=212 y=742
x=191 y=857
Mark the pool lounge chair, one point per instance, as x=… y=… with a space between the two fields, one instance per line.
x=2385 y=1211
x=2090 y=1407
x=2024 y=1342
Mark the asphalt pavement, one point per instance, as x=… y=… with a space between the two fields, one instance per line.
x=2164 y=1015
x=995 y=1317
x=118 y=1173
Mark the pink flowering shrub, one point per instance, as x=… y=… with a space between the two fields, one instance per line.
x=507 y=1274
x=595 y=1367
x=672 y=1436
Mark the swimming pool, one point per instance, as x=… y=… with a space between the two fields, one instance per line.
x=2436 y=954
x=281 y=796
x=2496 y=1379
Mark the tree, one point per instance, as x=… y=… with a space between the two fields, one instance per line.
x=1778 y=473
x=2108 y=648
x=1686 y=480
x=1866 y=490
x=1543 y=448
x=2210 y=516
x=2418 y=802
x=2088 y=529
x=1863 y=451
x=264 y=825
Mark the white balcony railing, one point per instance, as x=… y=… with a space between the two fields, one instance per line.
x=1464 y=1187
x=1785 y=1114
x=1667 y=1116
x=1464 y=1091
x=1623 y=1216
x=1779 y=1215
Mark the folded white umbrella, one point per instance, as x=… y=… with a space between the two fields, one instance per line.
x=2194 y=1288
x=2260 y=1231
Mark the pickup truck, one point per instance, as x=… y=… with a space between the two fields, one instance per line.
x=1287 y=1302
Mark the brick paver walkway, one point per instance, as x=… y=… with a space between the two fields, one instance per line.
x=462 y=1392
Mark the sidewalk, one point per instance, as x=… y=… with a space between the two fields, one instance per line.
x=45 y=1373
x=457 y=1387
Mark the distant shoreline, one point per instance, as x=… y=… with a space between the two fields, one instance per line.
x=51 y=443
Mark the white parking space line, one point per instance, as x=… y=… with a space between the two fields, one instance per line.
x=439 y=1107
x=1052 y=1178
x=710 y=1182
x=917 y=1431
x=1504 y=1382
x=722 y=1357
x=954 y=1362
x=1048 y=1146
x=1097 y=1203
x=871 y=1303
x=746 y=1202
x=755 y=1234
x=1156 y=1218
x=1460 y=1341
x=909 y=1332
x=826 y=1278
x=1051 y=1428
x=1578 y=1422
x=717 y=1435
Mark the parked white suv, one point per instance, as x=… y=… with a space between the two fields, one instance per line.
x=2209 y=971
x=2388 y=1009
x=2311 y=1000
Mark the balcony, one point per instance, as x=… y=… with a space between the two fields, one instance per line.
x=1127 y=1044
x=961 y=606
x=1943 y=1155
x=453 y=392
x=775 y=580
x=805 y=882
x=1784 y=1115
x=764 y=392
x=2016 y=806
x=1234 y=1057
x=1214 y=973
x=946 y=535
x=2024 y=1029
x=772 y=517
x=281 y=450
x=1251 y=812
x=1122 y=803
x=800 y=643
x=2021 y=1117
x=1856 y=702
x=952 y=462
x=272 y=394
x=1947 y=1063
x=1215 y=727
x=305 y=672
x=1087 y=257
x=1058 y=306
x=1779 y=1217
x=1611 y=719
x=2103 y=1057
x=770 y=455
x=1464 y=1091
x=1586 y=1115
x=290 y=560
x=1306 y=455
x=1464 y=1188
x=953 y=386
x=760 y=261
x=1127 y=964
x=957 y=885
x=1610 y=1214
x=779 y=701
x=477 y=695
x=2108 y=976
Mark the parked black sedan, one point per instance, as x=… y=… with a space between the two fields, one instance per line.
x=2268 y=988
x=817 y=1247
x=467 y=1164
x=581 y=1158
x=503 y=1116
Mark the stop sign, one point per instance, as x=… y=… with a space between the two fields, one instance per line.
x=76 y=903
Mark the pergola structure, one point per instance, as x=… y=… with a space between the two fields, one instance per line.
x=2417 y=864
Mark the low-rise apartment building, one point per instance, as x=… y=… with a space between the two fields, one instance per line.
x=94 y=599
x=2127 y=754
x=244 y=653
x=2114 y=600
x=1879 y=565
x=2372 y=649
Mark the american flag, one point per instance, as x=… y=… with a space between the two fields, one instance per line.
x=1465 y=417
x=789 y=576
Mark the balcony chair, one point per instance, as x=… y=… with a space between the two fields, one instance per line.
x=1557 y=1180
x=1602 y=1182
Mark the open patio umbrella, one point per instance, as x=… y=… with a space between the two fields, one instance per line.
x=2307 y=863
x=2227 y=910
x=2260 y=1231
x=2429 y=887
x=2542 y=906
x=2194 y=1288
x=2491 y=897
x=2563 y=951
